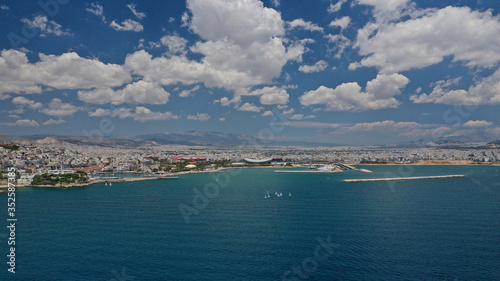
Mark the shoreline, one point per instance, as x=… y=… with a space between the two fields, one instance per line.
x=119 y=180
x=175 y=175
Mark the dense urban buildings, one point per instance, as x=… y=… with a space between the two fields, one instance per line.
x=31 y=158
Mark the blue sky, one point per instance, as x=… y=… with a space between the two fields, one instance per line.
x=348 y=71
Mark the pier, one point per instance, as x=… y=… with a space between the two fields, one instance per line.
x=354 y=168
x=406 y=178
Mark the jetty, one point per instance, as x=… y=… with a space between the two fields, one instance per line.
x=406 y=178
x=354 y=168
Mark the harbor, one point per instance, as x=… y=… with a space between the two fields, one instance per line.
x=330 y=168
x=405 y=178
x=307 y=171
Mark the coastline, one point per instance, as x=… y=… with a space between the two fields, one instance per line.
x=431 y=163
x=3 y=188
x=131 y=179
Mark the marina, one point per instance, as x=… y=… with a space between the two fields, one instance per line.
x=330 y=168
x=307 y=171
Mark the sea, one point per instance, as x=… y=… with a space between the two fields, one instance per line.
x=254 y=224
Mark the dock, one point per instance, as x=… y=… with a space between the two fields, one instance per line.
x=355 y=168
x=406 y=178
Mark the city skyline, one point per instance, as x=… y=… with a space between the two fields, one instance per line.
x=348 y=72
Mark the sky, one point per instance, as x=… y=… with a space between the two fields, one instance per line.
x=346 y=72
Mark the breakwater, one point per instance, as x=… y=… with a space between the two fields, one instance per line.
x=405 y=178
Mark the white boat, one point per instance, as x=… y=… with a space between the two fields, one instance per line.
x=326 y=168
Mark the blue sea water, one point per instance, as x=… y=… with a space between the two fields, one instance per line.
x=439 y=229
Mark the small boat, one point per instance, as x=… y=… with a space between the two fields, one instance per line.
x=326 y=168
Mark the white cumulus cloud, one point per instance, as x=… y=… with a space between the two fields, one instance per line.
x=22 y=101
x=342 y=22
x=267 y=113
x=333 y=8
x=199 y=117
x=477 y=123
x=270 y=95
x=307 y=25
x=127 y=25
x=234 y=54
x=379 y=94
x=66 y=71
x=23 y=123
x=219 y=19
x=54 y=122
x=46 y=26
x=98 y=10
x=139 y=113
x=317 y=67
x=250 y=107
x=427 y=39
x=384 y=5
x=484 y=91
x=100 y=112
x=139 y=92
x=139 y=15
x=145 y=114
x=58 y=108
x=382 y=125
x=187 y=93
x=176 y=45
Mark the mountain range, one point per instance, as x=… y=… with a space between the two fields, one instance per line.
x=216 y=139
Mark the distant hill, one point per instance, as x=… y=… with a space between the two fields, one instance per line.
x=195 y=138
x=190 y=138
x=217 y=140
x=493 y=144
